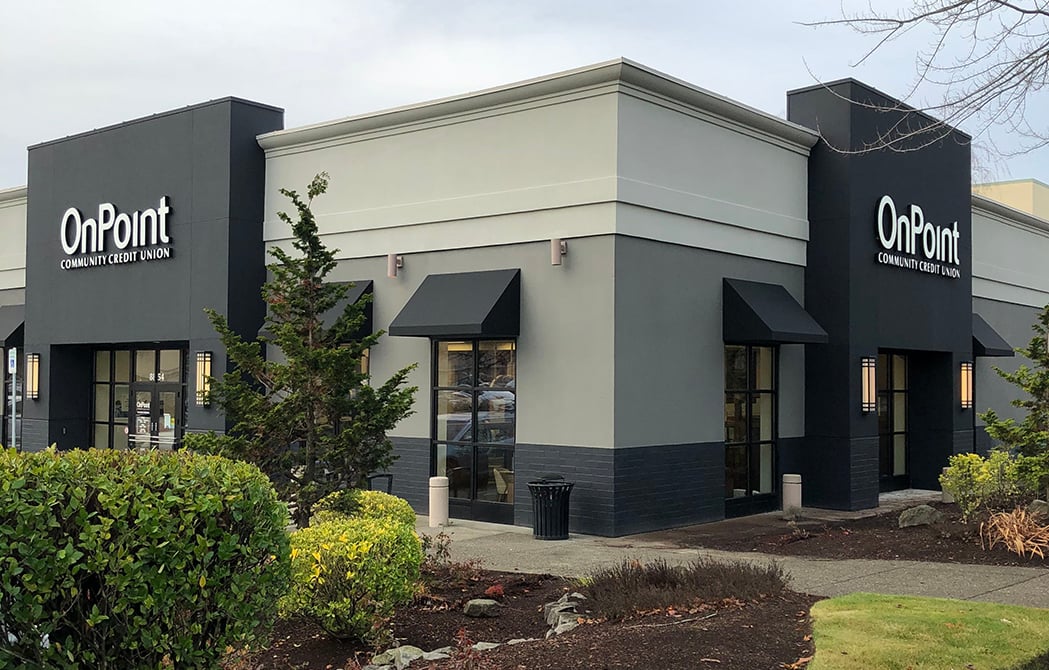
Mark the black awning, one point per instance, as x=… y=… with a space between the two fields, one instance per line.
x=756 y=313
x=463 y=304
x=12 y=318
x=987 y=341
x=354 y=294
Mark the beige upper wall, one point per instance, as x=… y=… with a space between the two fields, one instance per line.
x=532 y=161
x=12 y=238
x=442 y=184
x=1027 y=195
x=709 y=182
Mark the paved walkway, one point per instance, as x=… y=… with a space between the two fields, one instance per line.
x=513 y=548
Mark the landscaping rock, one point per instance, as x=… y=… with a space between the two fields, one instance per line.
x=435 y=656
x=566 y=621
x=378 y=667
x=485 y=646
x=481 y=607
x=384 y=659
x=520 y=640
x=1039 y=508
x=561 y=614
x=922 y=515
x=403 y=656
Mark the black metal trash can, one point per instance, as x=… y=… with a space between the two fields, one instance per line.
x=550 y=507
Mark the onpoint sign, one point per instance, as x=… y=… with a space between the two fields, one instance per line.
x=137 y=236
x=912 y=235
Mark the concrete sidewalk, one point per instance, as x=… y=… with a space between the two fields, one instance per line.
x=512 y=548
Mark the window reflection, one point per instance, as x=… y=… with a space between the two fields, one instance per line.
x=750 y=420
x=474 y=426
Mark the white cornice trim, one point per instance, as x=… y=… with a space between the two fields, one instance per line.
x=13 y=195
x=1007 y=214
x=620 y=71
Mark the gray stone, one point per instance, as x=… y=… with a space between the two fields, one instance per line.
x=435 y=656
x=567 y=622
x=403 y=656
x=520 y=640
x=485 y=646
x=922 y=515
x=481 y=607
x=385 y=658
x=1039 y=508
x=442 y=650
x=553 y=611
x=378 y=667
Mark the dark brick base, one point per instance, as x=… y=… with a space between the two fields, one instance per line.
x=616 y=492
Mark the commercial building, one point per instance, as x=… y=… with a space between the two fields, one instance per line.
x=666 y=296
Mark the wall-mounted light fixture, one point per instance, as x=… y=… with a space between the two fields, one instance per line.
x=394 y=262
x=558 y=248
x=869 y=368
x=967 y=385
x=32 y=376
x=203 y=379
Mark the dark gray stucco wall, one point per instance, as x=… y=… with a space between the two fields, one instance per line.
x=867 y=307
x=206 y=161
x=669 y=349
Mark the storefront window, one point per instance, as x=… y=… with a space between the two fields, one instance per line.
x=750 y=420
x=474 y=418
x=138 y=398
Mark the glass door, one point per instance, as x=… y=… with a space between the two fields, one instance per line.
x=474 y=426
x=157 y=422
x=750 y=430
x=892 y=421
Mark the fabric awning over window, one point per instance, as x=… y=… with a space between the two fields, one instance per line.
x=757 y=313
x=463 y=304
x=354 y=294
x=987 y=341
x=12 y=319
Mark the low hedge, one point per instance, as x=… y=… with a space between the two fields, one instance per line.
x=119 y=559
x=349 y=574
x=360 y=504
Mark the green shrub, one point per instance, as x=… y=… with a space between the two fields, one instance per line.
x=349 y=574
x=631 y=586
x=120 y=559
x=360 y=504
x=996 y=483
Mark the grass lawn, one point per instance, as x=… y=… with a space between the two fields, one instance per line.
x=863 y=631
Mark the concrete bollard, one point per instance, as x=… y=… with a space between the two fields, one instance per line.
x=791 y=493
x=438 y=501
x=946 y=497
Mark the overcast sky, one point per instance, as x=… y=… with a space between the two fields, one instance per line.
x=67 y=66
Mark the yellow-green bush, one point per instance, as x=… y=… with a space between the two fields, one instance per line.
x=119 y=559
x=360 y=504
x=349 y=574
x=995 y=483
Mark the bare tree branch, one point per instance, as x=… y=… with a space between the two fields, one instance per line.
x=987 y=59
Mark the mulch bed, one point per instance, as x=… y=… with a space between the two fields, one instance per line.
x=877 y=537
x=772 y=633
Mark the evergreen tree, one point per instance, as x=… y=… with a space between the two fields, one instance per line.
x=1030 y=437
x=309 y=419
